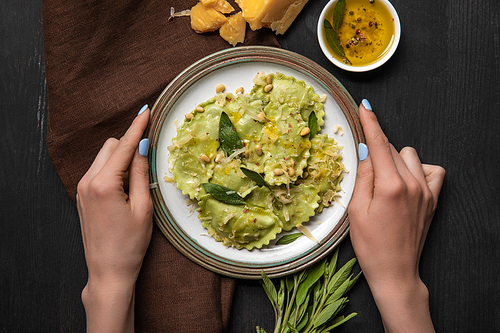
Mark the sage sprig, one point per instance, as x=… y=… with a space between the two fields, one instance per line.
x=228 y=137
x=311 y=300
x=224 y=194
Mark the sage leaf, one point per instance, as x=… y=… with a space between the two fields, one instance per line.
x=281 y=293
x=305 y=319
x=256 y=177
x=291 y=328
x=328 y=312
x=339 y=321
x=287 y=239
x=301 y=310
x=291 y=281
x=315 y=272
x=341 y=275
x=352 y=282
x=333 y=39
x=270 y=289
x=224 y=194
x=333 y=262
x=338 y=15
x=312 y=124
x=228 y=137
x=339 y=292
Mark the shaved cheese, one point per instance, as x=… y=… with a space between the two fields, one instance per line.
x=306 y=232
x=337 y=129
x=236 y=153
x=286 y=214
x=227 y=218
x=339 y=202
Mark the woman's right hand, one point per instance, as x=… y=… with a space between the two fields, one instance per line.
x=391 y=210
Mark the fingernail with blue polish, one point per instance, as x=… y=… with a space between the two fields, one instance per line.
x=144 y=147
x=363 y=151
x=143 y=109
x=366 y=104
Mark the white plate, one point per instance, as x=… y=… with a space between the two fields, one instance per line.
x=234 y=68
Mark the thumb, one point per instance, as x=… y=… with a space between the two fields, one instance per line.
x=363 y=190
x=139 y=175
x=434 y=176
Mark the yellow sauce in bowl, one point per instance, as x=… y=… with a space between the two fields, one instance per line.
x=367 y=32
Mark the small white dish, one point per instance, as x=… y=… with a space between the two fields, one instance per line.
x=358 y=68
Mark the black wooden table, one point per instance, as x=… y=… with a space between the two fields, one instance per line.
x=440 y=93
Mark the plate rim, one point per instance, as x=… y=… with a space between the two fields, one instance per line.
x=174 y=90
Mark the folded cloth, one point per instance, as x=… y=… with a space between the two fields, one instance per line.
x=104 y=60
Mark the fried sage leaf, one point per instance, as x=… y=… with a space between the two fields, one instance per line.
x=255 y=176
x=228 y=137
x=224 y=194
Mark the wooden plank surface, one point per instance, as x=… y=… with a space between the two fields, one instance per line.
x=440 y=94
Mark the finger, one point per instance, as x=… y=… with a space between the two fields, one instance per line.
x=412 y=162
x=102 y=157
x=434 y=176
x=403 y=170
x=378 y=144
x=120 y=160
x=363 y=189
x=139 y=176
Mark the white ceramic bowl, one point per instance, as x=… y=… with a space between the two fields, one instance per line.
x=371 y=66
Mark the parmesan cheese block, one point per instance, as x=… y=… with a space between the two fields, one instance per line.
x=233 y=31
x=220 y=5
x=275 y=14
x=206 y=19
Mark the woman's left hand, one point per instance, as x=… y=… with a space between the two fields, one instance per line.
x=116 y=212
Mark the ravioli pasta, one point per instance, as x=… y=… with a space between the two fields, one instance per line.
x=302 y=171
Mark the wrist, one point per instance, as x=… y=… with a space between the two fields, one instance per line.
x=109 y=307
x=404 y=307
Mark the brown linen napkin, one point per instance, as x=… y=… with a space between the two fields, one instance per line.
x=104 y=60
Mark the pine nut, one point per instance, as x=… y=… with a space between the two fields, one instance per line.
x=261 y=117
x=305 y=131
x=268 y=88
x=291 y=171
x=258 y=150
x=204 y=158
x=189 y=116
x=218 y=158
x=278 y=172
x=269 y=79
x=220 y=88
x=199 y=109
x=247 y=153
x=239 y=90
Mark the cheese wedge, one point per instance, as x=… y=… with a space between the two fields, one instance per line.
x=275 y=14
x=233 y=31
x=219 y=5
x=206 y=19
